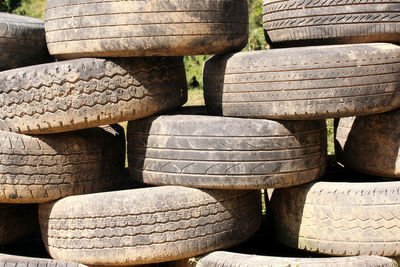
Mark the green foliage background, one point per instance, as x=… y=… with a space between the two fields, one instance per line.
x=30 y=8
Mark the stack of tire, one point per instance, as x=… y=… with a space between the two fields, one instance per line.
x=116 y=61
x=264 y=128
x=329 y=59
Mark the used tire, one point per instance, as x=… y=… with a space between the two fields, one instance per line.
x=147 y=225
x=20 y=261
x=42 y=168
x=296 y=22
x=339 y=218
x=22 y=41
x=145 y=28
x=370 y=144
x=231 y=259
x=305 y=82
x=16 y=222
x=226 y=153
x=84 y=93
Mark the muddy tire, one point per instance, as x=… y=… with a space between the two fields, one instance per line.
x=42 y=168
x=369 y=144
x=147 y=28
x=16 y=222
x=22 y=41
x=296 y=22
x=84 y=93
x=304 y=83
x=226 y=153
x=147 y=225
x=339 y=218
x=20 y=261
x=231 y=259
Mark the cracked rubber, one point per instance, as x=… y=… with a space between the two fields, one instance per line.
x=42 y=168
x=231 y=259
x=17 y=221
x=339 y=218
x=22 y=41
x=20 y=261
x=226 y=153
x=84 y=93
x=297 y=22
x=369 y=144
x=145 y=28
x=147 y=225
x=305 y=82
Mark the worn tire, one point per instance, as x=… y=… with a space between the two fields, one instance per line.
x=84 y=93
x=370 y=144
x=231 y=259
x=226 y=153
x=20 y=261
x=42 y=168
x=296 y=22
x=147 y=225
x=16 y=222
x=22 y=41
x=304 y=83
x=339 y=218
x=146 y=28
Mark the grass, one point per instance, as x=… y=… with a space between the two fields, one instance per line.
x=195 y=97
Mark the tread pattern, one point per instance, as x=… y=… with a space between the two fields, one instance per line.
x=22 y=41
x=369 y=144
x=148 y=28
x=85 y=93
x=35 y=169
x=312 y=83
x=231 y=259
x=11 y=260
x=229 y=153
x=339 y=218
x=334 y=21
x=147 y=225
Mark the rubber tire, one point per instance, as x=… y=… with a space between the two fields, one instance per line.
x=16 y=222
x=147 y=28
x=85 y=93
x=225 y=153
x=316 y=22
x=231 y=259
x=304 y=83
x=22 y=42
x=369 y=144
x=20 y=261
x=147 y=225
x=339 y=218
x=42 y=168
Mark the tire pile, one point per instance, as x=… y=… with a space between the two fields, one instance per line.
x=201 y=171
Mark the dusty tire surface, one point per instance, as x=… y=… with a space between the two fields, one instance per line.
x=147 y=225
x=20 y=261
x=22 y=41
x=17 y=221
x=231 y=259
x=226 y=153
x=42 y=168
x=147 y=28
x=304 y=82
x=339 y=218
x=84 y=93
x=315 y=22
x=369 y=144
